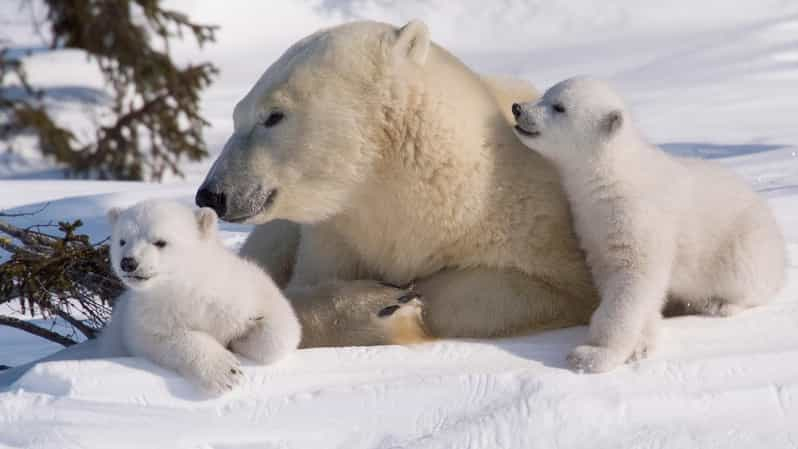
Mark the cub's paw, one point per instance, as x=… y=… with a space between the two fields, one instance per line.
x=402 y=322
x=220 y=374
x=595 y=359
x=647 y=344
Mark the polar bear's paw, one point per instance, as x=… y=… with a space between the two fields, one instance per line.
x=643 y=350
x=407 y=304
x=220 y=374
x=595 y=359
x=647 y=344
x=403 y=322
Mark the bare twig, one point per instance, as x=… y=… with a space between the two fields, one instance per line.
x=36 y=330
x=24 y=214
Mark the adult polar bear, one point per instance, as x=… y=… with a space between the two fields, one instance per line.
x=397 y=163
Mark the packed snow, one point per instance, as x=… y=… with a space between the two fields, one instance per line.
x=713 y=79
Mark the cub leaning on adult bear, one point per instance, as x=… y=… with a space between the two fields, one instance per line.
x=367 y=154
x=652 y=225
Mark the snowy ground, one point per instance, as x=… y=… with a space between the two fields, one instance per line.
x=714 y=79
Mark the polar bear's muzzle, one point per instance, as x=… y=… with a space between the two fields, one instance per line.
x=236 y=208
x=254 y=204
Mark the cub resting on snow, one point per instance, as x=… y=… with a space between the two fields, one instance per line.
x=655 y=227
x=190 y=298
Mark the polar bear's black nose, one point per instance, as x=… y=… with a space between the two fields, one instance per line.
x=516 y=110
x=128 y=264
x=215 y=200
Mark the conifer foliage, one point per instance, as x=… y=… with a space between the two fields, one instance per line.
x=155 y=102
x=52 y=271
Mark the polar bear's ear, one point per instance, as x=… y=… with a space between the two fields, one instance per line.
x=413 y=41
x=206 y=220
x=113 y=215
x=612 y=122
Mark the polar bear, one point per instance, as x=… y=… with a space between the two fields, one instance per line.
x=653 y=226
x=189 y=298
x=368 y=155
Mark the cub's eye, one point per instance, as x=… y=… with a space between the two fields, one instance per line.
x=273 y=119
x=122 y=243
x=558 y=107
x=160 y=243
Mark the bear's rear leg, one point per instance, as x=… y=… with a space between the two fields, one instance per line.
x=346 y=313
x=269 y=338
x=402 y=321
x=485 y=303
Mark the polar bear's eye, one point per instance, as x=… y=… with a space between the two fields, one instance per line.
x=160 y=243
x=558 y=107
x=273 y=119
x=122 y=243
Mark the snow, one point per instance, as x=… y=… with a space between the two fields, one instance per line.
x=710 y=79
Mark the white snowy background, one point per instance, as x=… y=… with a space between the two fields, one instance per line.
x=715 y=79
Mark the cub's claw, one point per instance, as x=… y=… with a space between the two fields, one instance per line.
x=387 y=311
x=221 y=374
x=409 y=286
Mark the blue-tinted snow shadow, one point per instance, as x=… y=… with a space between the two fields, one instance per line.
x=178 y=386
x=716 y=151
x=548 y=348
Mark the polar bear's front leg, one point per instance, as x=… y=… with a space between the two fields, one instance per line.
x=195 y=355
x=485 y=302
x=273 y=246
x=626 y=323
x=111 y=342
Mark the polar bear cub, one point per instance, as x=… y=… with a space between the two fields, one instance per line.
x=192 y=304
x=654 y=227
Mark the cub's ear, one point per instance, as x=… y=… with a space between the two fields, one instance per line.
x=413 y=42
x=612 y=122
x=113 y=215
x=206 y=220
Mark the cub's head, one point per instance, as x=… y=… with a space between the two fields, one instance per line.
x=572 y=120
x=303 y=144
x=153 y=240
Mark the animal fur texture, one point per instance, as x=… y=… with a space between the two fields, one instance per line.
x=656 y=228
x=192 y=305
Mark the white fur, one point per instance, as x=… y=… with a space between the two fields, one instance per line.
x=199 y=299
x=654 y=227
x=399 y=163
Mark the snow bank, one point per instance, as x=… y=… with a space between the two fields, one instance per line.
x=713 y=383
x=721 y=383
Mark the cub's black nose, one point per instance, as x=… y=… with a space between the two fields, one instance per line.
x=516 y=110
x=215 y=200
x=128 y=264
